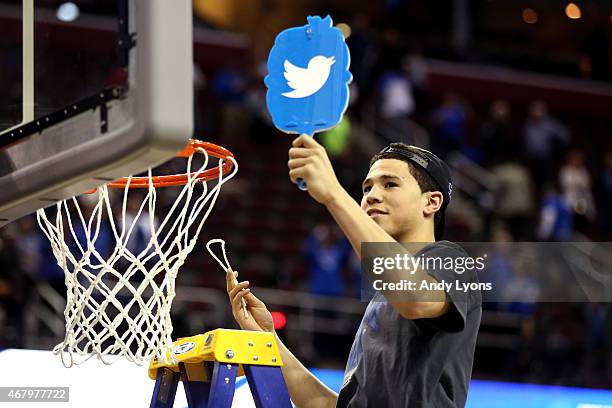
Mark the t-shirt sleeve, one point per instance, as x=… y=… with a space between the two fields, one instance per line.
x=461 y=301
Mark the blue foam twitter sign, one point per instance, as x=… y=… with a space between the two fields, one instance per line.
x=308 y=77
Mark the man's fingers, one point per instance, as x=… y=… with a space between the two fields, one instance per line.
x=238 y=288
x=237 y=300
x=300 y=152
x=297 y=163
x=253 y=300
x=300 y=140
x=296 y=174
x=229 y=280
x=305 y=141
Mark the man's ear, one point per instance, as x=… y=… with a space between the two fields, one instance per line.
x=433 y=203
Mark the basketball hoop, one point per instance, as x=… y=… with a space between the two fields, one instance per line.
x=118 y=302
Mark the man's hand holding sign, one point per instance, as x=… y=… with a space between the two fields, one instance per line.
x=308 y=80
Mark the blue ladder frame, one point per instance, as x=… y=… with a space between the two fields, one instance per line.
x=215 y=389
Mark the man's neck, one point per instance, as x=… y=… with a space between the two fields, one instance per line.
x=423 y=234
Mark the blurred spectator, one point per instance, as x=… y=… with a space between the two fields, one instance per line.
x=395 y=90
x=364 y=51
x=449 y=122
x=397 y=105
x=355 y=274
x=261 y=129
x=230 y=84
x=607 y=188
x=523 y=290
x=390 y=51
x=514 y=199
x=497 y=137
x=29 y=247
x=561 y=337
x=415 y=65
x=15 y=286
x=336 y=140
x=342 y=150
x=327 y=252
x=575 y=182
x=199 y=85
x=545 y=139
x=595 y=62
x=598 y=316
x=555 y=217
x=498 y=266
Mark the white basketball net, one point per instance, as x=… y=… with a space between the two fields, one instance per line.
x=119 y=305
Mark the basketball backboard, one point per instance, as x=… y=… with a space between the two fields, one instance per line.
x=91 y=98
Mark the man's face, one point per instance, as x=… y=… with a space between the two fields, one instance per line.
x=392 y=197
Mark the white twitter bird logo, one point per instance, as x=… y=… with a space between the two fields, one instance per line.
x=307 y=81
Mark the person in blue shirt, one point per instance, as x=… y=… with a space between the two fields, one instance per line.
x=327 y=252
x=555 y=217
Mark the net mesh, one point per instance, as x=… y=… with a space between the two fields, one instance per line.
x=119 y=295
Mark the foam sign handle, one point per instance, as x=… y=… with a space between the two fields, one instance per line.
x=308 y=78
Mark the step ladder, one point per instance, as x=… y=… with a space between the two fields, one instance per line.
x=209 y=363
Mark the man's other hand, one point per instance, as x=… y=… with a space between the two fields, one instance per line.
x=258 y=317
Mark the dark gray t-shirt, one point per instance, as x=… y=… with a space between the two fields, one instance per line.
x=397 y=362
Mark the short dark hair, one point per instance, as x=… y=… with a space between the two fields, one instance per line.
x=424 y=180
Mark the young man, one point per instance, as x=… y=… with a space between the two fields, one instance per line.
x=413 y=349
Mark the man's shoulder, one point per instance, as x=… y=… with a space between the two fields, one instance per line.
x=443 y=247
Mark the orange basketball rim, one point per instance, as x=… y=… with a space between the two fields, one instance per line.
x=193 y=146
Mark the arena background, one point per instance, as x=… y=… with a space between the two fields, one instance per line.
x=515 y=95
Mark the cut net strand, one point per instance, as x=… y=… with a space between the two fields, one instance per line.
x=226 y=267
